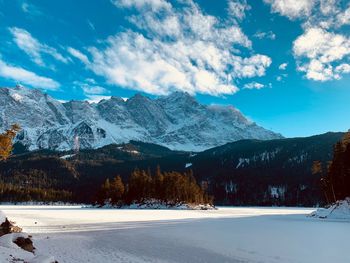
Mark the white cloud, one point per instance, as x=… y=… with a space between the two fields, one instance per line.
x=315 y=70
x=30 y=9
x=26 y=77
x=328 y=7
x=92 y=91
x=179 y=48
x=283 y=66
x=323 y=46
x=237 y=8
x=251 y=67
x=77 y=54
x=343 y=18
x=25 y=7
x=33 y=48
x=323 y=51
x=281 y=77
x=254 y=85
x=153 y=5
x=343 y=68
x=90 y=81
x=292 y=8
x=89 y=87
x=268 y=35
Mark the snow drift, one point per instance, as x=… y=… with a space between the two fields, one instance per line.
x=339 y=210
x=11 y=250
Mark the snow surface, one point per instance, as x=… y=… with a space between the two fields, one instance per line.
x=67 y=156
x=7 y=240
x=10 y=252
x=2 y=217
x=339 y=210
x=188 y=165
x=74 y=234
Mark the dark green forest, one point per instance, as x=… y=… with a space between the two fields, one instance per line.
x=248 y=172
x=336 y=179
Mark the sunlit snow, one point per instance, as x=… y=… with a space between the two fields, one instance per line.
x=73 y=234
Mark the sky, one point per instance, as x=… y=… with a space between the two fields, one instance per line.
x=285 y=64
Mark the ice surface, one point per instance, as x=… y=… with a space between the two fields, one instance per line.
x=74 y=234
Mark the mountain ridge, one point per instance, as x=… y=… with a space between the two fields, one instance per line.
x=176 y=121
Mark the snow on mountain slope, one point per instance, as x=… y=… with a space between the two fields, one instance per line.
x=177 y=121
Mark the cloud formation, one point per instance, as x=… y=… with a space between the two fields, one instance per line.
x=92 y=91
x=89 y=87
x=177 y=48
x=24 y=76
x=33 y=48
x=265 y=35
x=322 y=51
x=254 y=85
x=237 y=9
x=292 y=8
x=77 y=54
x=283 y=66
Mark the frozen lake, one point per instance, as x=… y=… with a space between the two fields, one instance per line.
x=74 y=234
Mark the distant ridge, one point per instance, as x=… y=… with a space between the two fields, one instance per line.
x=176 y=121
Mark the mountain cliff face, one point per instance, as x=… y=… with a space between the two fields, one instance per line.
x=177 y=121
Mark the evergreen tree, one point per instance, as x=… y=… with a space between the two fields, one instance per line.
x=158 y=184
x=103 y=193
x=170 y=187
x=116 y=190
x=139 y=186
x=337 y=182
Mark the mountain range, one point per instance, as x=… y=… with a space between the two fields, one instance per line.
x=176 y=121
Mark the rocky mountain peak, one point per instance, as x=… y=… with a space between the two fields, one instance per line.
x=177 y=121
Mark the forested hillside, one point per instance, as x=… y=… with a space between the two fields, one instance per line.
x=248 y=172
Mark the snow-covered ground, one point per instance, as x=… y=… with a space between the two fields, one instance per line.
x=74 y=234
x=339 y=210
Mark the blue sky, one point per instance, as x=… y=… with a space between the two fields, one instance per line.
x=285 y=64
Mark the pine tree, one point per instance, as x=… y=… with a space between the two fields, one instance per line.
x=170 y=187
x=337 y=182
x=158 y=184
x=116 y=190
x=103 y=193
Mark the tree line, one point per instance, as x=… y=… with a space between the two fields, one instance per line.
x=169 y=187
x=16 y=193
x=21 y=193
x=335 y=175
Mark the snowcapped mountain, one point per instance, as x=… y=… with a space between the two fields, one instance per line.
x=177 y=121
